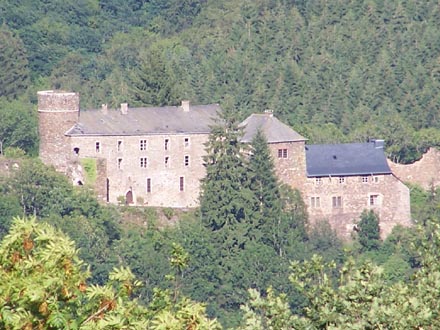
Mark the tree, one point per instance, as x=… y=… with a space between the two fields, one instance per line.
x=14 y=76
x=226 y=199
x=368 y=231
x=18 y=127
x=264 y=185
x=44 y=286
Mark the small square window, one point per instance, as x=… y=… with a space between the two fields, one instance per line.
x=98 y=147
x=181 y=183
x=341 y=179
x=167 y=144
x=318 y=181
x=142 y=145
x=148 y=185
x=365 y=179
x=186 y=142
x=337 y=202
x=282 y=153
x=186 y=161
x=143 y=162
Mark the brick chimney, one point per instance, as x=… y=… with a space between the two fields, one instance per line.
x=124 y=108
x=185 y=105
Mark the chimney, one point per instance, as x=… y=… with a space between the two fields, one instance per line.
x=124 y=108
x=185 y=105
x=268 y=112
x=379 y=144
x=104 y=109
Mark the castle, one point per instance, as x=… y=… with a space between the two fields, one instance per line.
x=154 y=157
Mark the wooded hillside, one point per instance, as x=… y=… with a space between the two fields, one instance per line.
x=335 y=70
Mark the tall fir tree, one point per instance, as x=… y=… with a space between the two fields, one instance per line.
x=226 y=199
x=265 y=188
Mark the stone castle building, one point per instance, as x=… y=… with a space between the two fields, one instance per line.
x=154 y=157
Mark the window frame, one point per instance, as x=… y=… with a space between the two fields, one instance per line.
x=143 y=162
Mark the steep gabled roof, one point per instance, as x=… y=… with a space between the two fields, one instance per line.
x=273 y=129
x=146 y=121
x=346 y=159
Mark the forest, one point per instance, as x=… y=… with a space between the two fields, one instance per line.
x=335 y=71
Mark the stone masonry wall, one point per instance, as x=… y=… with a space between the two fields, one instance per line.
x=57 y=113
x=164 y=167
x=424 y=172
x=292 y=169
x=391 y=201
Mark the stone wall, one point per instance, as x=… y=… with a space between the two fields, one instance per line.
x=57 y=113
x=291 y=169
x=385 y=194
x=165 y=166
x=7 y=166
x=424 y=172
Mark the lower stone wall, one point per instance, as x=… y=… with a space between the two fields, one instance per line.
x=385 y=194
x=424 y=172
x=8 y=165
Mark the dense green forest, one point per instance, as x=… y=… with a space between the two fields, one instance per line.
x=336 y=71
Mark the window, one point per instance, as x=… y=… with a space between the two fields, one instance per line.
x=315 y=202
x=186 y=161
x=119 y=145
x=182 y=184
x=337 y=202
x=186 y=142
x=76 y=151
x=167 y=161
x=98 y=147
x=376 y=179
x=365 y=179
x=143 y=162
x=142 y=144
x=341 y=179
x=373 y=200
x=119 y=163
x=282 y=153
x=148 y=185
x=318 y=181
x=167 y=144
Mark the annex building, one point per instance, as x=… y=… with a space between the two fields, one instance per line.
x=153 y=156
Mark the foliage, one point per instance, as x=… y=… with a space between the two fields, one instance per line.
x=14 y=76
x=368 y=233
x=89 y=166
x=45 y=286
x=18 y=127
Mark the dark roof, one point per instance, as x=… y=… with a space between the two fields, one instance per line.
x=273 y=129
x=146 y=121
x=346 y=159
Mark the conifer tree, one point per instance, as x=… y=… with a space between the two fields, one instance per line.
x=264 y=185
x=225 y=201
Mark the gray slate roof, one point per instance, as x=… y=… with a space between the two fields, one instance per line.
x=273 y=129
x=146 y=121
x=346 y=159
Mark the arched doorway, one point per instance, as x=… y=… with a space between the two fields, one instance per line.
x=129 y=198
